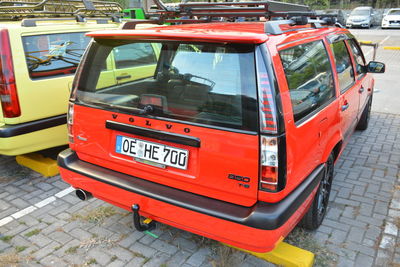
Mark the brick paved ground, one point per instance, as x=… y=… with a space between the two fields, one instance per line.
x=360 y=229
x=358 y=226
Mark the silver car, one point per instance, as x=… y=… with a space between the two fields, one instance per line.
x=361 y=17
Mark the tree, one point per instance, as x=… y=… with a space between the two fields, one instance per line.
x=317 y=3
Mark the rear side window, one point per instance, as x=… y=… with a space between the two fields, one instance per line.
x=201 y=83
x=309 y=76
x=343 y=64
x=51 y=55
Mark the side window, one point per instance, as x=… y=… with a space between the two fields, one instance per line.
x=358 y=57
x=133 y=55
x=309 y=76
x=343 y=64
x=52 y=55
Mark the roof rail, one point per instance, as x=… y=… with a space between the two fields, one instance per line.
x=57 y=8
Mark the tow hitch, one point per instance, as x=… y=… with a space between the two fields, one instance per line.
x=147 y=224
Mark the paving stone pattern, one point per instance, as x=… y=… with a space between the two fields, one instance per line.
x=362 y=223
x=361 y=226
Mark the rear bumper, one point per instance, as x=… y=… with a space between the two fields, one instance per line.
x=32 y=126
x=33 y=136
x=239 y=226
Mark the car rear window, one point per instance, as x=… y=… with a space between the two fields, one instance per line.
x=200 y=83
x=50 y=55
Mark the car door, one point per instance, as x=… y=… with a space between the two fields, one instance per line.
x=349 y=89
x=311 y=90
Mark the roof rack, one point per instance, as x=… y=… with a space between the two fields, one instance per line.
x=200 y=12
x=230 y=9
x=15 y=10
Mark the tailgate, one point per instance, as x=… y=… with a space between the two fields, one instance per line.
x=213 y=169
x=150 y=112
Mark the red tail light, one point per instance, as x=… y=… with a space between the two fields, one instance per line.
x=269 y=164
x=70 y=122
x=268 y=113
x=8 y=89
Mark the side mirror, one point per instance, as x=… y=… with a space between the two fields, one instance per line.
x=376 y=67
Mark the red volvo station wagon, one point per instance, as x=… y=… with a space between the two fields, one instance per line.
x=226 y=130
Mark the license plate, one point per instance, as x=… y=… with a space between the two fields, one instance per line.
x=152 y=152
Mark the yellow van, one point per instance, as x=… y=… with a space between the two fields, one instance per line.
x=38 y=58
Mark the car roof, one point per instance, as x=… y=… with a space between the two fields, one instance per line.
x=234 y=32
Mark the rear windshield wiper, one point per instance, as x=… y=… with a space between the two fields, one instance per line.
x=146 y=110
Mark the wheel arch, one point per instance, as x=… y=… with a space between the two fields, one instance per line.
x=334 y=146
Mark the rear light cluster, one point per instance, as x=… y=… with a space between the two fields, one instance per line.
x=269 y=163
x=70 y=122
x=8 y=89
x=268 y=125
x=268 y=114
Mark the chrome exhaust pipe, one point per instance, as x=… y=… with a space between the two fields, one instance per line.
x=83 y=195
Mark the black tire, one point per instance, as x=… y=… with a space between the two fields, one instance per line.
x=364 y=120
x=317 y=211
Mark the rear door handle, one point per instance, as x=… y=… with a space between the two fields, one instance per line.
x=345 y=106
x=361 y=90
x=123 y=77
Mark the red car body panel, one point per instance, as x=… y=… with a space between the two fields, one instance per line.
x=308 y=144
x=231 y=152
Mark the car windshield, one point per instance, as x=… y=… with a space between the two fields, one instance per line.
x=394 y=12
x=194 y=82
x=360 y=12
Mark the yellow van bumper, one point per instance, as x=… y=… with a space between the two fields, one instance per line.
x=33 y=136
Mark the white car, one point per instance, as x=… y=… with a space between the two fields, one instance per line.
x=391 y=19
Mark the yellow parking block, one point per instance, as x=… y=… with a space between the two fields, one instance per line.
x=391 y=47
x=34 y=161
x=365 y=42
x=285 y=255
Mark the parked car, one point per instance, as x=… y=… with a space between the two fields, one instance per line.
x=362 y=16
x=39 y=57
x=232 y=133
x=338 y=13
x=391 y=19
